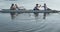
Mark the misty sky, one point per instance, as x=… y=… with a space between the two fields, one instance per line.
x=29 y=4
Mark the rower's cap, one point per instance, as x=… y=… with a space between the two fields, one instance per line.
x=36 y=4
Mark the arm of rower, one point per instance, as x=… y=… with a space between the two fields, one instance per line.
x=39 y=6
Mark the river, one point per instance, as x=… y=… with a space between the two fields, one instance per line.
x=28 y=22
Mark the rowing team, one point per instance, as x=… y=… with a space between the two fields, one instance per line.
x=15 y=6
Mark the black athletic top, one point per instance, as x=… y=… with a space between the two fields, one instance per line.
x=35 y=8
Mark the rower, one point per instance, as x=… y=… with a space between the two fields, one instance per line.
x=36 y=8
x=13 y=7
x=17 y=7
x=45 y=9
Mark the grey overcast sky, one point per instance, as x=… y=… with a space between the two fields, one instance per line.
x=29 y=4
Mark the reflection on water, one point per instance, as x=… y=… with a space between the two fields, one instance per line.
x=36 y=14
x=28 y=22
x=25 y=23
x=13 y=15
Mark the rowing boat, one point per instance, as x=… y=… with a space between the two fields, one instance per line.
x=28 y=11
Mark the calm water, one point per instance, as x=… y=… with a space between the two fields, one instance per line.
x=28 y=22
